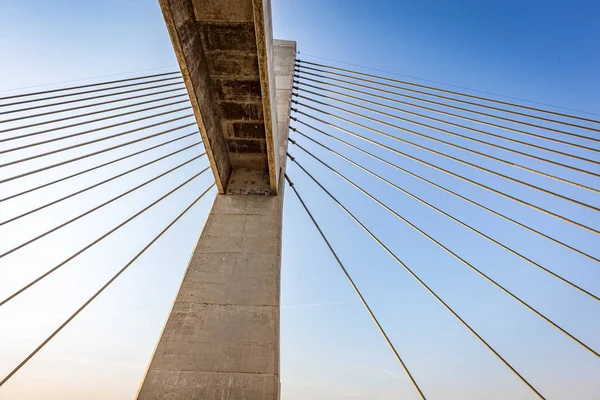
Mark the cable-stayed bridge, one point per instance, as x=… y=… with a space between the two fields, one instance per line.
x=264 y=121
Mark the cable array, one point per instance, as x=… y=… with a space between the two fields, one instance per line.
x=507 y=150
x=173 y=120
x=335 y=102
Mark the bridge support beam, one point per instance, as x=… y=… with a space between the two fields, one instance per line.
x=221 y=339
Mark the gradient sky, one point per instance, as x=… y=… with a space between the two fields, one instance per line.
x=541 y=51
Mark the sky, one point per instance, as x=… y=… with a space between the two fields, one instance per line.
x=330 y=349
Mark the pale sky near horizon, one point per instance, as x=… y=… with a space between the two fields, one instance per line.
x=542 y=51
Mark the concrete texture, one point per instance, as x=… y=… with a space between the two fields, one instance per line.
x=225 y=51
x=264 y=47
x=221 y=340
x=189 y=50
x=284 y=56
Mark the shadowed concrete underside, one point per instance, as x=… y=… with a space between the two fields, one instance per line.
x=224 y=49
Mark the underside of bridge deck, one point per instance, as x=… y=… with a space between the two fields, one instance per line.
x=225 y=51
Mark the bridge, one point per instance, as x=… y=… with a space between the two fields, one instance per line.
x=256 y=123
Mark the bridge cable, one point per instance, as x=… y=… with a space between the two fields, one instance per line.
x=106 y=285
x=453 y=254
x=52 y=121
x=539 y=136
x=415 y=197
x=456 y=86
x=482 y=132
x=95 y=185
x=546 y=128
x=581 y=170
x=523 y=202
x=483 y=207
x=12 y=196
x=439 y=153
x=75 y=101
x=62 y=96
x=88 y=85
x=103 y=236
x=300 y=62
x=100 y=128
x=423 y=284
x=357 y=291
x=467 y=149
x=18 y=161
x=68 y=161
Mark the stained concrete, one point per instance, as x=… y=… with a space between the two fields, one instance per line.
x=187 y=43
x=224 y=49
x=284 y=52
x=221 y=340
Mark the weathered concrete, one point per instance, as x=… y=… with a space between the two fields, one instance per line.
x=284 y=58
x=224 y=49
x=221 y=340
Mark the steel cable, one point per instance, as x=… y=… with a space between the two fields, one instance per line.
x=521 y=132
x=456 y=256
x=471 y=96
x=97 y=293
x=357 y=291
x=17 y=217
x=86 y=92
x=86 y=247
x=415 y=197
x=12 y=196
x=88 y=85
x=47 y=167
x=52 y=121
x=490 y=134
x=419 y=177
x=78 y=100
x=545 y=128
x=103 y=138
x=581 y=170
x=439 y=153
x=533 y=206
x=101 y=128
x=424 y=285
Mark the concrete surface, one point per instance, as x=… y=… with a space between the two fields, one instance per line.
x=225 y=51
x=221 y=339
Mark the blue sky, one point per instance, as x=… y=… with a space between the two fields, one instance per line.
x=544 y=52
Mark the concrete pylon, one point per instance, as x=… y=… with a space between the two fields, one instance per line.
x=221 y=339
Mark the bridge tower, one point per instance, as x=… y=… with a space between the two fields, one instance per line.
x=221 y=339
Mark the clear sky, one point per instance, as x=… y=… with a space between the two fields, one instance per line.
x=542 y=51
